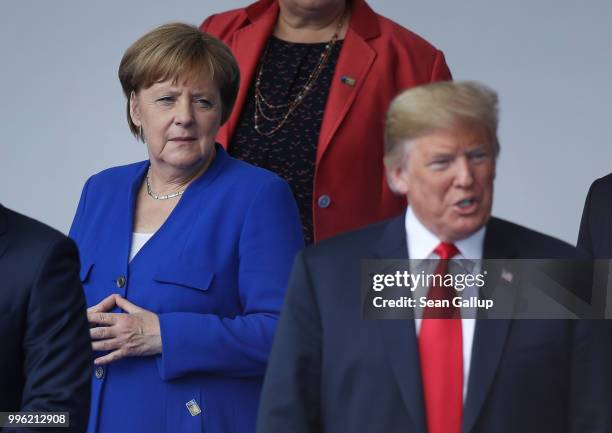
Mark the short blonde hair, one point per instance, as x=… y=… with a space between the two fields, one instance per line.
x=438 y=106
x=180 y=52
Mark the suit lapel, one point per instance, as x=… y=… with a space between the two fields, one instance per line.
x=490 y=335
x=133 y=182
x=3 y=230
x=356 y=58
x=489 y=341
x=399 y=336
x=248 y=44
x=392 y=242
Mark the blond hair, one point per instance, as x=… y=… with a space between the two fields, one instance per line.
x=179 y=51
x=438 y=106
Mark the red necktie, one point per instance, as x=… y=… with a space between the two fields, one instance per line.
x=441 y=355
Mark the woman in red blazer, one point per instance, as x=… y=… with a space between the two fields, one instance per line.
x=316 y=82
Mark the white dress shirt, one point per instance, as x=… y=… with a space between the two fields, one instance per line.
x=421 y=244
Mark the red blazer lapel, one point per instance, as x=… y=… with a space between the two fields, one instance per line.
x=356 y=58
x=247 y=45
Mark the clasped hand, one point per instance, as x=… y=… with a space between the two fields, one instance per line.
x=133 y=333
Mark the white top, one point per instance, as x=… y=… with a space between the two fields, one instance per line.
x=138 y=241
x=421 y=244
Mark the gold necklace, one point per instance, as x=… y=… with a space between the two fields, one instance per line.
x=261 y=103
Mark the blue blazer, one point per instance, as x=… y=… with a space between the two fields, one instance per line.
x=215 y=273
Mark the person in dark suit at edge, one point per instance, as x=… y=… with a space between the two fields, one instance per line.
x=332 y=371
x=46 y=353
x=595 y=236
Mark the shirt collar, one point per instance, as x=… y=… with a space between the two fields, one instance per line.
x=421 y=242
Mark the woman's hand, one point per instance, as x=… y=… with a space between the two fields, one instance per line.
x=133 y=333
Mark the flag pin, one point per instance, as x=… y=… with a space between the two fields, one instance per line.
x=193 y=408
x=349 y=81
x=507 y=275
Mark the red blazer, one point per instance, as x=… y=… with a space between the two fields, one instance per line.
x=382 y=58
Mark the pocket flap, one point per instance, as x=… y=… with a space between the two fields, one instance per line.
x=184 y=275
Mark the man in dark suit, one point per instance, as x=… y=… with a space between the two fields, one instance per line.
x=46 y=353
x=595 y=235
x=332 y=371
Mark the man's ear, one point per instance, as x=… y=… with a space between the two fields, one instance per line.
x=135 y=110
x=398 y=179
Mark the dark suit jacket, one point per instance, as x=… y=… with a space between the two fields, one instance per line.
x=331 y=371
x=595 y=235
x=44 y=336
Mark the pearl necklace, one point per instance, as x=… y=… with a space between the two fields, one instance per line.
x=159 y=196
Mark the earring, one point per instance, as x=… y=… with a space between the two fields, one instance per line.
x=141 y=134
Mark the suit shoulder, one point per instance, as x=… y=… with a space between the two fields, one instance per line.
x=352 y=244
x=32 y=235
x=602 y=186
x=246 y=170
x=530 y=243
x=120 y=171
x=247 y=176
x=226 y=16
x=409 y=40
x=19 y=223
x=115 y=176
x=223 y=24
x=420 y=61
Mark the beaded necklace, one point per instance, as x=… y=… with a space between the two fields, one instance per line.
x=261 y=104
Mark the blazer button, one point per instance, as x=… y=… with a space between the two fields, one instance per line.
x=324 y=201
x=120 y=282
x=99 y=372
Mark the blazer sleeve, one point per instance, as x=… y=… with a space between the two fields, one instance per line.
x=75 y=228
x=239 y=346
x=290 y=400
x=57 y=352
